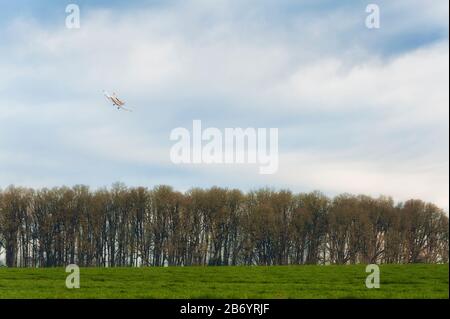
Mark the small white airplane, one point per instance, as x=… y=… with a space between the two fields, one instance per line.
x=115 y=101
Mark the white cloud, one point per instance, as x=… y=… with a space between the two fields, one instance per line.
x=228 y=61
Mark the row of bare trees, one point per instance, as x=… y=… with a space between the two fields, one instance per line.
x=140 y=227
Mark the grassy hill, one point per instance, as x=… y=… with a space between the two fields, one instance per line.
x=397 y=281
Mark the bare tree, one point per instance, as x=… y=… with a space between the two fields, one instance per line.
x=132 y=227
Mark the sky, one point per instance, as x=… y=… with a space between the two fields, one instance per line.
x=358 y=110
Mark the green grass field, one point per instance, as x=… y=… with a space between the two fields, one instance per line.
x=397 y=281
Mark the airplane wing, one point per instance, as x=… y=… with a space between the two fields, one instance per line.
x=125 y=109
x=109 y=97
